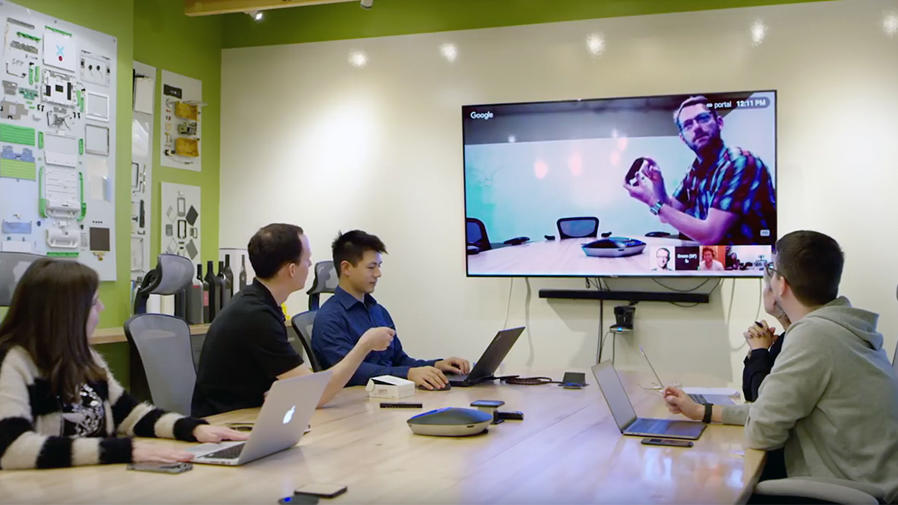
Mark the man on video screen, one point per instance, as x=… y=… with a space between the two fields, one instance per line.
x=726 y=197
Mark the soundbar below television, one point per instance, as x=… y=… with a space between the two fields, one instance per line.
x=672 y=185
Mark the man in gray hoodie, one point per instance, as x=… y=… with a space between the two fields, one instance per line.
x=831 y=399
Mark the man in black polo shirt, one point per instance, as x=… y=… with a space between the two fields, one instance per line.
x=246 y=348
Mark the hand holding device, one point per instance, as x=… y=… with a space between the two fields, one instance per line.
x=377 y=339
x=667 y=441
x=759 y=335
x=678 y=402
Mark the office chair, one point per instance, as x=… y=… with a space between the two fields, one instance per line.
x=828 y=490
x=163 y=361
x=303 y=323
x=172 y=274
x=12 y=267
x=475 y=234
x=578 y=227
x=326 y=281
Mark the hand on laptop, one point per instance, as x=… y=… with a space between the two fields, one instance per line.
x=377 y=339
x=211 y=433
x=679 y=402
x=453 y=365
x=145 y=452
x=427 y=377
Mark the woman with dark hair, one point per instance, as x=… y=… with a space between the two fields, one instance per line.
x=59 y=404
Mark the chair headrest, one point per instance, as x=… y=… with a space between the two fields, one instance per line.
x=12 y=267
x=326 y=279
x=174 y=274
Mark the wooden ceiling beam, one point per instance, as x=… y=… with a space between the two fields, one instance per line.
x=212 y=7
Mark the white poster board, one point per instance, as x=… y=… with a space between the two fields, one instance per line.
x=142 y=168
x=180 y=106
x=57 y=139
x=180 y=221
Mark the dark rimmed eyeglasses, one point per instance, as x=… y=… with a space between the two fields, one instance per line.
x=769 y=269
x=704 y=119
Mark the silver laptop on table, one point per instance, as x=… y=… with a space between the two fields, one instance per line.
x=708 y=399
x=486 y=366
x=625 y=416
x=281 y=423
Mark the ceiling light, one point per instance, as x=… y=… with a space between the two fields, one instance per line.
x=358 y=59
x=758 y=32
x=450 y=52
x=255 y=14
x=366 y=4
x=890 y=24
x=595 y=43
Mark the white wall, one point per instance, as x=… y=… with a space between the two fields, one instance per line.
x=310 y=139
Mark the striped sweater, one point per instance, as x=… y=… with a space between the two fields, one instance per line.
x=32 y=425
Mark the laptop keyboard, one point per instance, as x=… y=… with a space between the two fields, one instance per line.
x=648 y=426
x=232 y=452
x=699 y=399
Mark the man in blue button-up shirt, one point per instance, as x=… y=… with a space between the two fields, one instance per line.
x=352 y=310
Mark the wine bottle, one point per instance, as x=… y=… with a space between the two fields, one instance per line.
x=214 y=290
x=242 y=275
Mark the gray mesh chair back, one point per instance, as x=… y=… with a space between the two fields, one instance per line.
x=164 y=354
x=325 y=282
x=578 y=227
x=303 y=323
x=12 y=267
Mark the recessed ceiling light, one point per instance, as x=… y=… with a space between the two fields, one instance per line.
x=358 y=59
x=595 y=43
x=890 y=24
x=449 y=51
x=758 y=32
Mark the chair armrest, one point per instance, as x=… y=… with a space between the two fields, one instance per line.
x=833 y=490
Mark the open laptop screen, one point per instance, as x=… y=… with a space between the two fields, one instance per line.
x=615 y=395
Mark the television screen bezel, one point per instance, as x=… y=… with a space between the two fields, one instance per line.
x=724 y=275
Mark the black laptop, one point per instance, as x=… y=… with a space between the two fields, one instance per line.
x=486 y=366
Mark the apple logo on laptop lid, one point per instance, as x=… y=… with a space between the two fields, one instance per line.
x=289 y=415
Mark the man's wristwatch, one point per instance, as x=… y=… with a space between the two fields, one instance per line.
x=707 y=417
x=655 y=209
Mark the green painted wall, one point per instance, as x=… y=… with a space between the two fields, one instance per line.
x=157 y=33
x=398 y=17
x=113 y=17
x=167 y=39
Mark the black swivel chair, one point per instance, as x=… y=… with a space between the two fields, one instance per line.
x=475 y=234
x=12 y=267
x=325 y=282
x=578 y=227
x=302 y=324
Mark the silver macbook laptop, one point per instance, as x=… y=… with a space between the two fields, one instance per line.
x=281 y=422
x=625 y=416
x=705 y=399
x=486 y=366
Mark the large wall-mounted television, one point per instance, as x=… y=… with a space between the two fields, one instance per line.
x=672 y=185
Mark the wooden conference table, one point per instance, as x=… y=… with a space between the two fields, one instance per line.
x=566 y=450
x=566 y=257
